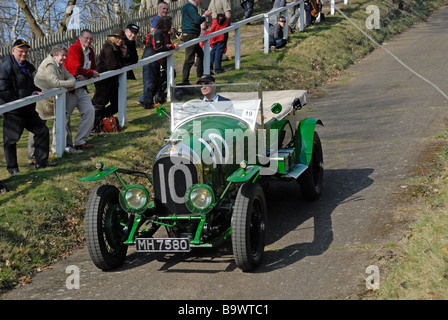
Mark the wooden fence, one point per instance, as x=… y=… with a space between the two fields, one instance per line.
x=42 y=46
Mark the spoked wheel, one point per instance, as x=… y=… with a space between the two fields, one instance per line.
x=248 y=226
x=104 y=227
x=312 y=179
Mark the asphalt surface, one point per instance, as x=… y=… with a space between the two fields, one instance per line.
x=380 y=122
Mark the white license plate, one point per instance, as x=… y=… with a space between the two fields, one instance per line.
x=162 y=244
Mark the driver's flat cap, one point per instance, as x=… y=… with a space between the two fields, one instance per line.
x=205 y=78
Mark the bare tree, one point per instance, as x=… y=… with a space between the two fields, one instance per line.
x=116 y=8
x=67 y=14
x=30 y=19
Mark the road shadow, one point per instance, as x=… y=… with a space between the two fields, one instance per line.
x=288 y=213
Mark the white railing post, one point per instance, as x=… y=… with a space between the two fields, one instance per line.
x=206 y=60
x=238 y=48
x=122 y=99
x=60 y=117
x=332 y=7
x=266 y=33
x=302 y=16
x=169 y=75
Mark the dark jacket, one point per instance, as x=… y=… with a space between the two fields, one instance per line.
x=277 y=31
x=111 y=58
x=191 y=20
x=131 y=57
x=16 y=84
x=157 y=41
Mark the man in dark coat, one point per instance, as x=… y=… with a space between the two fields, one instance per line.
x=191 y=29
x=131 y=32
x=16 y=82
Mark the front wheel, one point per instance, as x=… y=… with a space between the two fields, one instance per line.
x=248 y=226
x=104 y=227
x=311 y=180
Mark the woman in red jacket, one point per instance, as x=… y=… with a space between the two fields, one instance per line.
x=106 y=91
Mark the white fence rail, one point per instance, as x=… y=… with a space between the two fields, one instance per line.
x=60 y=93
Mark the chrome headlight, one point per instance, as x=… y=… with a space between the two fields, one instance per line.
x=134 y=199
x=199 y=198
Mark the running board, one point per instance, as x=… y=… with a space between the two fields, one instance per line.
x=297 y=171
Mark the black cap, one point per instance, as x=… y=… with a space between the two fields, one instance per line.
x=21 y=43
x=133 y=27
x=206 y=78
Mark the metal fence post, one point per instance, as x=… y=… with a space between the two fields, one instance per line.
x=302 y=16
x=60 y=118
x=206 y=60
x=266 y=33
x=169 y=75
x=122 y=98
x=238 y=48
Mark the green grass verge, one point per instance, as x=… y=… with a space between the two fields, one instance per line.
x=41 y=218
x=419 y=268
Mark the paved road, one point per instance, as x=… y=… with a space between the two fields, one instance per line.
x=380 y=122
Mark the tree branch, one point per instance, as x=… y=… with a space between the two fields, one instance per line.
x=30 y=19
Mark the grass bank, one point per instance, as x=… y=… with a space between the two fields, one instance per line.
x=418 y=267
x=41 y=218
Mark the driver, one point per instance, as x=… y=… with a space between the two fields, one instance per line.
x=208 y=89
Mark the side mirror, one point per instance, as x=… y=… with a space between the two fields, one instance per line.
x=161 y=112
x=276 y=108
x=296 y=104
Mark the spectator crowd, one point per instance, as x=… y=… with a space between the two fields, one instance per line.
x=64 y=66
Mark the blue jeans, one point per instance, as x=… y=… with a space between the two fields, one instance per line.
x=277 y=43
x=151 y=82
x=216 y=56
x=307 y=15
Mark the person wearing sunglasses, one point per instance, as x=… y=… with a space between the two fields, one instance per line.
x=276 y=40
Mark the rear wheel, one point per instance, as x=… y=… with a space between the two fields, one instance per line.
x=248 y=226
x=312 y=179
x=104 y=227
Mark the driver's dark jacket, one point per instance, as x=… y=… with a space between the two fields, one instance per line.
x=157 y=41
x=16 y=84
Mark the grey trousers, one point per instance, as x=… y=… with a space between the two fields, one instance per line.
x=87 y=111
x=78 y=99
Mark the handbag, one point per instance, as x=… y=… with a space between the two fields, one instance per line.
x=110 y=124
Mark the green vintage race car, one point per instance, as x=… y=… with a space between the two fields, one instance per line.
x=207 y=182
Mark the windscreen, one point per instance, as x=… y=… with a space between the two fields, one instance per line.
x=242 y=100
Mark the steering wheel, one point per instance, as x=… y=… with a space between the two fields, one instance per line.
x=190 y=104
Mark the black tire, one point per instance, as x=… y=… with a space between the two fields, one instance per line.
x=311 y=180
x=104 y=235
x=248 y=226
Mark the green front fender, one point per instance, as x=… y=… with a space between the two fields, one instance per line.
x=304 y=140
x=99 y=174
x=106 y=171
